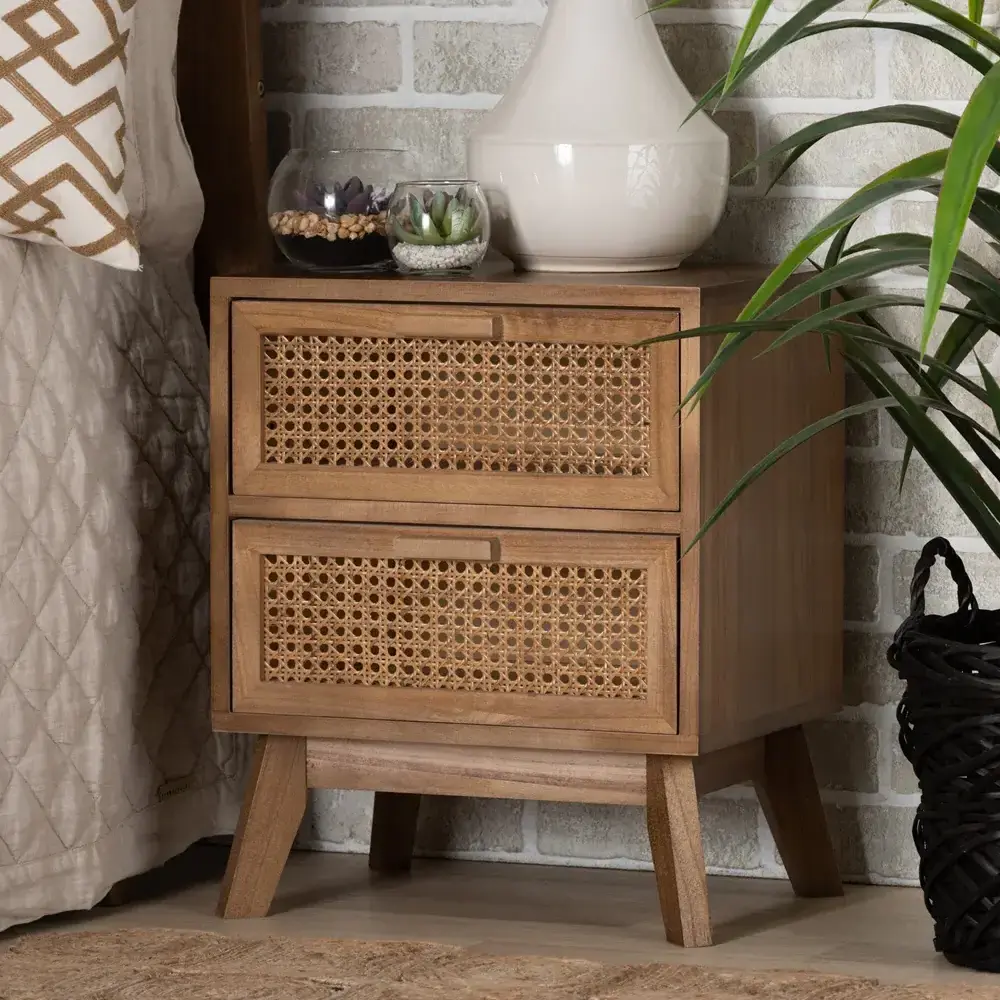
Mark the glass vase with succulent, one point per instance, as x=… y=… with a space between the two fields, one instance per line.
x=327 y=208
x=951 y=664
x=438 y=226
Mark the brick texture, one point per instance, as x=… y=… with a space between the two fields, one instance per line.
x=420 y=73
x=466 y=57
x=305 y=58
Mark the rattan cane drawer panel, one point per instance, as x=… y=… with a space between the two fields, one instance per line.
x=456 y=405
x=517 y=628
x=440 y=625
x=536 y=407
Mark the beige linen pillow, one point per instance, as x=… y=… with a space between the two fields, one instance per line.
x=161 y=185
x=62 y=126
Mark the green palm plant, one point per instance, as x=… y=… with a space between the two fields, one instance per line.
x=913 y=384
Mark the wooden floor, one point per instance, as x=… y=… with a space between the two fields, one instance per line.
x=603 y=915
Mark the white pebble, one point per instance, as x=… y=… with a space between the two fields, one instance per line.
x=431 y=258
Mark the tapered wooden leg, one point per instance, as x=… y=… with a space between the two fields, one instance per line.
x=678 y=858
x=394 y=828
x=791 y=803
x=273 y=807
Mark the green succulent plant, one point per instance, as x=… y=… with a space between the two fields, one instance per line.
x=438 y=219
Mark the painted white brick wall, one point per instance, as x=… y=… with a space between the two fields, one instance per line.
x=364 y=72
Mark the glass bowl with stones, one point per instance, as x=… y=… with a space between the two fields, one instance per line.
x=437 y=227
x=328 y=209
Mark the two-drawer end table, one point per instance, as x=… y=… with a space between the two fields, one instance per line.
x=449 y=520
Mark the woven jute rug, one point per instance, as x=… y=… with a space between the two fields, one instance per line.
x=176 y=965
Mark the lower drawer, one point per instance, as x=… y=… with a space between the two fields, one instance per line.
x=561 y=630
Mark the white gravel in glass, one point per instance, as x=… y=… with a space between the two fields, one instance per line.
x=430 y=258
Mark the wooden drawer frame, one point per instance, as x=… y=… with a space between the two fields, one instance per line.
x=656 y=555
x=253 y=477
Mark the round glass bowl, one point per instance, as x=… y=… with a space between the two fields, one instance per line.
x=328 y=209
x=437 y=227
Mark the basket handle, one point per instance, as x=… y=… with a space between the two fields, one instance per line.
x=922 y=573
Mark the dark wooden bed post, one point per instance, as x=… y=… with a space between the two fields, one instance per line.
x=220 y=91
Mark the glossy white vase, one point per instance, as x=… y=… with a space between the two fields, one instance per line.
x=587 y=161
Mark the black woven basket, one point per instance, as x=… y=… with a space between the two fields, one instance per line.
x=949 y=729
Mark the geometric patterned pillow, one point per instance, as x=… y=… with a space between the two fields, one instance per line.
x=62 y=126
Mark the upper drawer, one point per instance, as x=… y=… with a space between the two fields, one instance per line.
x=538 y=407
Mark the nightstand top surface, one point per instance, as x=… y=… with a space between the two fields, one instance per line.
x=497 y=282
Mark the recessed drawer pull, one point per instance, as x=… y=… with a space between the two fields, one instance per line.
x=472 y=549
x=352 y=320
x=473 y=326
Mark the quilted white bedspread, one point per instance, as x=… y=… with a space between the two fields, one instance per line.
x=108 y=765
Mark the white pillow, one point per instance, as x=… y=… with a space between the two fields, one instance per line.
x=161 y=185
x=62 y=126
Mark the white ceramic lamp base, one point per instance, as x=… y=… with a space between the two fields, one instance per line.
x=587 y=162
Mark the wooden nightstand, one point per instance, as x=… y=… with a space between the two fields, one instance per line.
x=447 y=527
